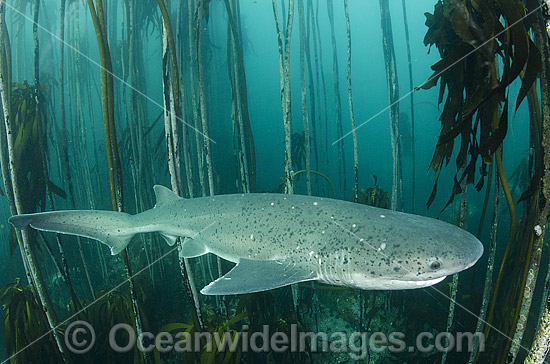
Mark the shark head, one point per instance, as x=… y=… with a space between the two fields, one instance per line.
x=418 y=255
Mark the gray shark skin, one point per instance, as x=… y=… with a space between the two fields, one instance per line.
x=277 y=239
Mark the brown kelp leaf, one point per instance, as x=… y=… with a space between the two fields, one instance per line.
x=480 y=183
x=457 y=129
x=12 y=241
x=57 y=190
x=457 y=189
x=460 y=20
x=431 y=82
x=497 y=136
x=487 y=26
x=441 y=152
x=434 y=192
x=442 y=87
x=531 y=73
x=454 y=58
x=473 y=101
x=469 y=172
x=435 y=23
x=483 y=172
x=533 y=186
x=464 y=144
x=437 y=157
x=429 y=38
x=484 y=119
x=513 y=13
x=471 y=92
x=450 y=201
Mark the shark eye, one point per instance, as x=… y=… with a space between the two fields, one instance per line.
x=436 y=264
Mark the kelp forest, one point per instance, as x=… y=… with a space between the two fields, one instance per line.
x=431 y=107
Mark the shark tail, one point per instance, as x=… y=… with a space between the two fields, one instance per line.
x=114 y=229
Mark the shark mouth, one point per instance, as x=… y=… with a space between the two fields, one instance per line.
x=426 y=283
x=394 y=284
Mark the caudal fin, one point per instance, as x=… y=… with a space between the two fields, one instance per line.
x=114 y=229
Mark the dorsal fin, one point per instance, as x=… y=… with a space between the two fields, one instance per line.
x=164 y=195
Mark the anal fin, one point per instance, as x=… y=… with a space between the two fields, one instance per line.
x=250 y=276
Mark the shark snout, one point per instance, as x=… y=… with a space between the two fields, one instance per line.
x=477 y=252
x=468 y=255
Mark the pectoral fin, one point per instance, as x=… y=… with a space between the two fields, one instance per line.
x=250 y=276
x=192 y=248
x=170 y=239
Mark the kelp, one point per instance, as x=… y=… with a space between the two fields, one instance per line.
x=218 y=340
x=411 y=147
x=373 y=196
x=114 y=165
x=24 y=323
x=485 y=46
x=539 y=348
x=263 y=308
x=392 y=81
x=305 y=115
x=113 y=308
x=260 y=307
x=295 y=175
x=350 y=100
x=23 y=7
x=147 y=17
x=284 y=70
x=337 y=99
x=473 y=42
x=30 y=146
x=240 y=98
x=298 y=150
x=285 y=326
x=10 y=173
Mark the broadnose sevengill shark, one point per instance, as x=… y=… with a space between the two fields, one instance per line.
x=277 y=239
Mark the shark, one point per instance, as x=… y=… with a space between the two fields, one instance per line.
x=278 y=239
